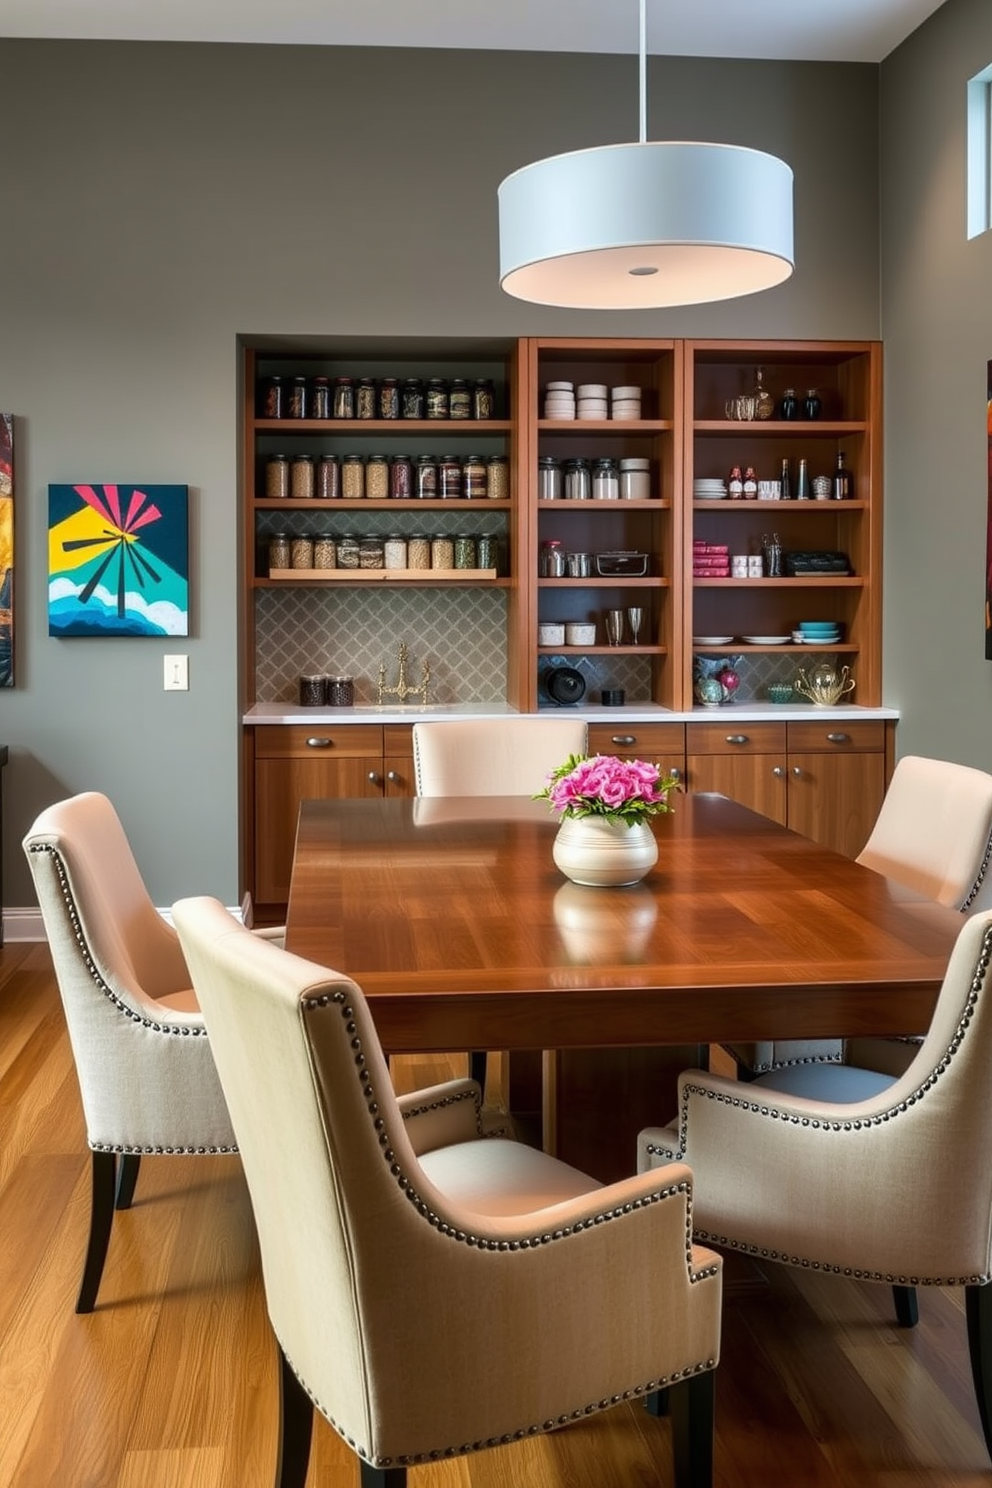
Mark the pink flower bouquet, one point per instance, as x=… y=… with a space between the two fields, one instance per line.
x=620 y=790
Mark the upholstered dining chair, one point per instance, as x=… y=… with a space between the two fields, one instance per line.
x=146 y=1074
x=933 y=834
x=848 y=1171
x=387 y=1225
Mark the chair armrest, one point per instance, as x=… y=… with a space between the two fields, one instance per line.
x=442 y=1115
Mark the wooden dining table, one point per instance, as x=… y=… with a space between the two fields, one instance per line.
x=463 y=934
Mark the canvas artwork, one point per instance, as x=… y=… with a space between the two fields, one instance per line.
x=6 y=550
x=988 y=536
x=118 y=560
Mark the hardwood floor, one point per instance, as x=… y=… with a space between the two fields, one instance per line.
x=171 y=1383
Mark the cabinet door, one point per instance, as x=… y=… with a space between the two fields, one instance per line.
x=835 y=798
x=756 y=780
x=397 y=774
x=280 y=786
x=661 y=744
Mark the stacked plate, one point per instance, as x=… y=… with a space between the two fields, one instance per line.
x=706 y=489
x=817 y=632
x=559 y=400
x=591 y=400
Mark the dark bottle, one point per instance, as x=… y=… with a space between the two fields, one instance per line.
x=843 y=484
x=789 y=407
x=802 y=483
x=811 y=404
x=786 y=480
x=413 y=398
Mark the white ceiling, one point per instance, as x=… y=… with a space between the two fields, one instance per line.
x=815 y=30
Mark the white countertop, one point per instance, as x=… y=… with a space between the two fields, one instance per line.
x=749 y=712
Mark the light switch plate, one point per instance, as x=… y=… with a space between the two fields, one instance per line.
x=176 y=674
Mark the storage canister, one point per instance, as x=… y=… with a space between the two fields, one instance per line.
x=394 y=552
x=352 y=478
x=401 y=478
x=483 y=399
x=301 y=551
x=272 y=402
x=301 y=477
x=371 y=553
x=312 y=692
x=276 y=477
x=497 y=478
x=328 y=478
x=418 y=552
x=551 y=562
x=298 y=404
x=320 y=398
x=442 y=552
x=577 y=481
x=376 y=478
x=464 y=555
x=279 y=551
x=487 y=550
x=389 y=398
x=606 y=480
x=347 y=552
x=548 y=478
x=365 y=398
x=344 y=398
x=426 y=478
x=339 y=692
x=412 y=402
x=324 y=551
x=459 y=399
x=437 y=398
x=449 y=478
x=474 y=477
x=635 y=480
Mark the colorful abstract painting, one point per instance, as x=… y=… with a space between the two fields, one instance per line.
x=6 y=550
x=118 y=560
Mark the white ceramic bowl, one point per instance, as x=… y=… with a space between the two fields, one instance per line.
x=550 y=635
x=579 y=634
x=626 y=392
x=591 y=390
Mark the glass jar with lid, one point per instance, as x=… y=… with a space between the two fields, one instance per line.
x=376 y=478
x=487 y=551
x=418 y=552
x=401 y=478
x=635 y=479
x=276 y=477
x=483 y=399
x=389 y=398
x=442 y=552
x=339 y=692
x=449 y=478
x=353 y=478
x=412 y=401
x=328 y=477
x=272 y=402
x=577 y=480
x=497 y=478
x=459 y=399
x=320 y=398
x=365 y=398
x=551 y=561
x=464 y=553
x=301 y=551
x=425 y=485
x=324 y=551
x=474 y=477
x=347 y=552
x=606 y=480
x=394 y=551
x=279 y=551
x=548 y=478
x=298 y=401
x=437 y=398
x=371 y=553
x=344 y=398
x=301 y=477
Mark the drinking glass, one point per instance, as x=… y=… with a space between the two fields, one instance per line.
x=614 y=627
x=635 y=619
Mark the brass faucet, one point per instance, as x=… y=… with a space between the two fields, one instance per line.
x=402 y=690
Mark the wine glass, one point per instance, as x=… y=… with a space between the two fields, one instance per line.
x=635 y=619
x=614 y=627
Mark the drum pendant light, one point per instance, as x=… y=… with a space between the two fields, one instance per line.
x=645 y=225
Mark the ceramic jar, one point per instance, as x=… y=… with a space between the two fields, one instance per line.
x=593 y=850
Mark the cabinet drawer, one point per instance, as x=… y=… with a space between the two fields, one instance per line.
x=636 y=738
x=292 y=741
x=807 y=737
x=398 y=740
x=734 y=738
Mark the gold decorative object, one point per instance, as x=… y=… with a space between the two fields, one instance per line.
x=824 y=686
x=402 y=689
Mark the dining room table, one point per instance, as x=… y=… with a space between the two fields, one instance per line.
x=452 y=916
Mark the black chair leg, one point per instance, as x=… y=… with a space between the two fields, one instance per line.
x=477 y=1061
x=907 y=1306
x=295 y=1429
x=382 y=1477
x=103 y=1169
x=656 y=1404
x=127 y=1176
x=978 y=1309
x=691 y=1405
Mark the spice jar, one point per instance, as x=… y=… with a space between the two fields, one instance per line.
x=339 y=692
x=376 y=478
x=301 y=551
x=449 y=478
x=442 y=553
x=352 y=477
x=483 y=399
x=324 y=551
x=606 y=480
x=812 y=404
x=577 y=481
x=401 y=478
x=497 y=478
x=486 y=551
x=418 y=552
x=474 y=477
x=328 y=478
x=298 y=398
x=276 y=477
x=412 y=403
x=437 y=398
x=347 y=552
x=548 y=478
x=389 y=398
x=394 y=552
x=551 y=562
x=272 y=401
x=279 y=551
x=365 y=398
x=344 y=398
x=459 y=399
x=426 y=481
x=464 y=553
x=370 y=553
x=320 y=398
x=301 y=477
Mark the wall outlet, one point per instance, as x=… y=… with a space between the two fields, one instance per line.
x=176 y=674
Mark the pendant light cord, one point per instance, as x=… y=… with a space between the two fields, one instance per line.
x=643 y=74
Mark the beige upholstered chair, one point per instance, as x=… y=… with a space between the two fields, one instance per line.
x=143 y=1061
x=848 y=1171
x=434 y=1292
x=933 y=834
x=493 y=756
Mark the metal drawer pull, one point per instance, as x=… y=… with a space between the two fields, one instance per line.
x=796 y=770
x=392 y=775
x=675 y=773
x=738 y=739
x=778 y=771
x=838 y=738
x=316 y=743
x=374 y=777
x=627 y=739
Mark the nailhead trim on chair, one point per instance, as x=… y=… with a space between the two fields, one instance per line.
x=794 y=1119
x=980 y=879
x=111 y=996
x=338 y=999
x=449 y=1100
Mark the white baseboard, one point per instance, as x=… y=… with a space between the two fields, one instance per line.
x=27 y=924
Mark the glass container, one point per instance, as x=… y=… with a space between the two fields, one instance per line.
x=376 y=478
x=352 y=477
x=328 y=478
x=449 y=478
x=276 y=477
x=497 y=478
x=301 y=483
x=298 y=401
x=442 y=552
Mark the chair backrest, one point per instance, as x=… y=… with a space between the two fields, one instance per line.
x=138 y=1038
x=493 y=756
x=934 y=830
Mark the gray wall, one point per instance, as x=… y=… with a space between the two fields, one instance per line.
x=158 y=200
x=937 y=325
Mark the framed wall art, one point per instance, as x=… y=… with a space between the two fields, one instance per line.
x=118 y=560
x=6 y=550
x=988 y=534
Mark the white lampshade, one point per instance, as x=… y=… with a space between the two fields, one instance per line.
x=642 y=225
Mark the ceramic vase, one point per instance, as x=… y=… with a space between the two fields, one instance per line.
x=592 y=850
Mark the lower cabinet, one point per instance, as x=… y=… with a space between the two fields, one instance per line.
x=825 y=780
x=661 y=744
x=294 y=763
